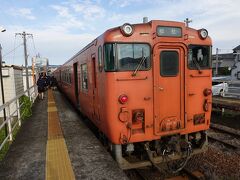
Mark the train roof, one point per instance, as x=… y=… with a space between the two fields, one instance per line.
x=150 y=23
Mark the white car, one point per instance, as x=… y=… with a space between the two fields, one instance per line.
x=219 y=88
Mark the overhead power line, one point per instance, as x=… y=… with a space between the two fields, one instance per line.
x=34 y=45
x=12 y=51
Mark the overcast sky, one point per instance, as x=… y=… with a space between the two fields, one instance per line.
x=62 y=28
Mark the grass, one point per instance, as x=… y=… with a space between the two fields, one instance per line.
x=6 y=147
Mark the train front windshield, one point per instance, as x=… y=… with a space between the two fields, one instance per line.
x=127 y=57
x=199 y=57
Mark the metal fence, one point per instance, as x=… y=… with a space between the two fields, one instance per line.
x=8 y=120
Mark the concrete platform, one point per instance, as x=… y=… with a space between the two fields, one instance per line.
x=89 y=158
x=26 y=158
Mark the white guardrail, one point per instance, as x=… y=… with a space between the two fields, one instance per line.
x=10 y=114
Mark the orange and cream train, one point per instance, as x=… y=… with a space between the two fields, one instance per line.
x=147 y=88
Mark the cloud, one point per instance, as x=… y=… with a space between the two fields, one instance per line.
x=22 y=12
x=76 y=15
x=62 y=11
x=89 y=10
x=218 y=17
x=60 y=46
x=75 y=23
x=53 y=43
x=66 y=19
x=124 y=3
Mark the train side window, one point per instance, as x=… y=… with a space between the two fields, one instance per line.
x=66 y=76
x=109 y=57
x=169 y=63
x=84 y=77
x=65 y=72
x=70 y=76
x=100 y=65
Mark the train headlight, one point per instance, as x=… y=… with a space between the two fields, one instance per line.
x=203 y=33
x=127 y=29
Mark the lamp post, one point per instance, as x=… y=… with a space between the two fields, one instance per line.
x=2 y=29
x=2 y=89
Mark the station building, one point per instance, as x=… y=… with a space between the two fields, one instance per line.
x=228 y=64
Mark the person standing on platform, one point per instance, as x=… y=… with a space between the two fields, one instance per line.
x=53 y=83
x=41 y=83
x=48 y=81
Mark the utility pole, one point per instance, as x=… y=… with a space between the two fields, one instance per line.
x=2 y=89
x=25 y=56
x=217 y=61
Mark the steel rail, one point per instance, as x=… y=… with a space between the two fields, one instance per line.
x=194 y=174
x=226 y=143
x=225 y=129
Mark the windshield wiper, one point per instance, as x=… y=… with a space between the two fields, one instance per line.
x=197 y=66
x=139 y=66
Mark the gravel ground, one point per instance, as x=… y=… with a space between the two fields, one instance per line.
x=216 y=164
x=219 y=162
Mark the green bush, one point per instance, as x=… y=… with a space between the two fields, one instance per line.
x=5 y=148
x=25 y=109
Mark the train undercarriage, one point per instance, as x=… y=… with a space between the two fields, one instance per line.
x=174 y=150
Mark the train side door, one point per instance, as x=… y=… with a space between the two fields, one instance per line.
x=60 y=78
x=76 y=88
x=168 y=89
x=95 y=90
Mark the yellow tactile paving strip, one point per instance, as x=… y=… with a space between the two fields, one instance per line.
x=54 y=128
x=52 y=109
x=58 y=165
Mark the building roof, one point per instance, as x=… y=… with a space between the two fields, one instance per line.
x=227 y=56
x=224 y=60
x=236 y=48
x=13 y=66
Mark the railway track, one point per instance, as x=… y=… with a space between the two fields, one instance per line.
x=225 y=129
x=151 y=174
x=225 y=135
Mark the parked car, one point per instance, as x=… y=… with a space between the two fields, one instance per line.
x=219 y=88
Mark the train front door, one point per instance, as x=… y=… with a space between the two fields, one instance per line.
x=168 y=89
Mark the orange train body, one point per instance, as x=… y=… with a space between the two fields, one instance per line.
x=143 y=86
